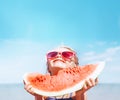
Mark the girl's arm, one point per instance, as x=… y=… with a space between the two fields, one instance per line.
x=38 y=97
x=28 y=88
x=81 y=96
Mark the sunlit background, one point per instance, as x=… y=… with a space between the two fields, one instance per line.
x=30 y=28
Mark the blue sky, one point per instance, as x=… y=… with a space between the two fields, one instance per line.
x=29 y=28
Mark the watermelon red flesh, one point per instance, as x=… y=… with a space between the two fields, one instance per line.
x=65 y=79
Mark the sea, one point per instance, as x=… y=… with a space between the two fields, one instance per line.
x=99 y=92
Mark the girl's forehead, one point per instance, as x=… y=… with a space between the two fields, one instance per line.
x=61 y=49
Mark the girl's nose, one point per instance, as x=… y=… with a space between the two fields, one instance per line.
x=59 y=55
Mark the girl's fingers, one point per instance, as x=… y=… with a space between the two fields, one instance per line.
x=85 y=86
x=96 y=81
x=90 y=83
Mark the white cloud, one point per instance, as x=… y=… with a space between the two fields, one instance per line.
x=112 y=68
x=102 y=44
x=20 y=56
x=114 y=43
x=107 y=55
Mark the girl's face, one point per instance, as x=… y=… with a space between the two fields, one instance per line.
x=61 y=58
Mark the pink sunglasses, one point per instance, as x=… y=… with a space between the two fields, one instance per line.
x=65 y=54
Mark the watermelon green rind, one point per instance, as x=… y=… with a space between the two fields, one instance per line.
x=74 y=88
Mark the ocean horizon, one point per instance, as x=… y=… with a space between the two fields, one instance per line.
x=99 y=92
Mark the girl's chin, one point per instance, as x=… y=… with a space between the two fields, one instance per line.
x=59 y=64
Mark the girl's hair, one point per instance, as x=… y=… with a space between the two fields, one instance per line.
x=75 y=57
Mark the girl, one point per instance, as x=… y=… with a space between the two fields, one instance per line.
x=57 y=59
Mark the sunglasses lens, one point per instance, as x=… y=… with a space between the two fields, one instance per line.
x=51 y=54
x=67 y=54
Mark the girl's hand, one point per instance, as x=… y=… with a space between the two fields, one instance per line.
x=29 y=89
x=88 y=84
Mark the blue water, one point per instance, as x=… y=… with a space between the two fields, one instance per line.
x=99 y=92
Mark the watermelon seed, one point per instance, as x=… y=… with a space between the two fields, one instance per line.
x=66 y=71
x=74 y=80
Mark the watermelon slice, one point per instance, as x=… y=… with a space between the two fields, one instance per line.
x=66 y=81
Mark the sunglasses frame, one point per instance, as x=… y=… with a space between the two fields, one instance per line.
x=72 y=54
